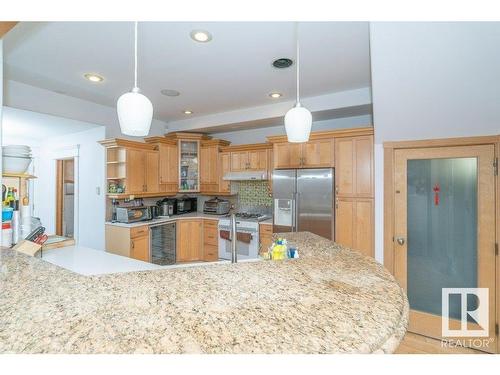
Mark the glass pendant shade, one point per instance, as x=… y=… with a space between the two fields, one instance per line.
x=135 y=113
x=298 y=122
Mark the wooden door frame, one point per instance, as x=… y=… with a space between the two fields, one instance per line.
x=389 y=234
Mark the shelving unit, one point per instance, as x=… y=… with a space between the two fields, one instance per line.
x=19 y=181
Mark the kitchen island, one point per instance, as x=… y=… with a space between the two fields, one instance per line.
x=330 y=300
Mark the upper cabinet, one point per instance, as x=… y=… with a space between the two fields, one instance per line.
x=211 y=167
x=313 y=154
x=248 y=158
x=189 y=167
x=168 y=178
x=132 y=168
x=354 y=166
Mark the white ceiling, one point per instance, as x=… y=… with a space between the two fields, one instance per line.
x=233 y=71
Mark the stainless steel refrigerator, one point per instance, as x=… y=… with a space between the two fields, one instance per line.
x=303 y=201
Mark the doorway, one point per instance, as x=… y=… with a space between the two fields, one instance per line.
x=443 y=236
x=65 y=197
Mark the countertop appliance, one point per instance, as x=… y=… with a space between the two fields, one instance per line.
x=167 y=207
x=186 y=204
x=303 y=201
x=216 y=206
x=247 y=238
x=133 y=214
x=162 y=243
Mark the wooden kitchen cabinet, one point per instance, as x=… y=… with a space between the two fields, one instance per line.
x=139 y=243
x=136 y=171
x=239 y=161
x=318 y=154
x=313 y=154
x=249 y=158
x=225 y=167
x=354 y=166
x=210 y=240
x=354 y=224
x=189 y=240
x=152 y=179
x=265 y=236
x=128 y=242
x=211 y=167
x=169 y=167
x=287 y=155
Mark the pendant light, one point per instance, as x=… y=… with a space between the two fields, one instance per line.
x=298 y=120
x=135 y=111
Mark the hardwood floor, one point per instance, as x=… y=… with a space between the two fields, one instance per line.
x=417 y=344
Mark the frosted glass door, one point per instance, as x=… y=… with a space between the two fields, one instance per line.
x=442 y=231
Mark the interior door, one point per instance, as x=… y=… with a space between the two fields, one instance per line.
x=445 y=235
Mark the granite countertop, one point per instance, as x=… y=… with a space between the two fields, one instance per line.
x=160 y=220
x=330 y=300
x=192 y=215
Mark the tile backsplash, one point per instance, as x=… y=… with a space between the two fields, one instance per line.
x=253 y=193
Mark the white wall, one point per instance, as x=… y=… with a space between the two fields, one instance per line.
x=432 y=80
x=259 y=135
x=22 y=96
x=91 y=197
x=45 y=150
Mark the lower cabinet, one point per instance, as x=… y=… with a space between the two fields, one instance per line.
x=354 y=224
x=210 y=240
x=128 y=242
x=197 y=240
x=265 y=236
x=189 y=240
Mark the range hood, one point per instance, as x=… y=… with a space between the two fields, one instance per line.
x=245 y=176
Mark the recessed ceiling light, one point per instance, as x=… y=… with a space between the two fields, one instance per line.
x=201 y=36
x=93 y=77
x=187 y=112
x=283 y=63
x=168 y=92
x=275 y=95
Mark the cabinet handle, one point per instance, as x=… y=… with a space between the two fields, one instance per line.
x=336 y=189
x=336 y=203
x=132 y=244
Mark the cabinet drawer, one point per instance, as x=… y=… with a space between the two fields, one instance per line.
x=211 y=253
x=210 y=236
x=207 y=223
x=266 y=229
x=139 y=231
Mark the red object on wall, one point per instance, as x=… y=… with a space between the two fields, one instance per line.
x=436 y=189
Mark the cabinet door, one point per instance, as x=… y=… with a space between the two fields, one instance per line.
x=136 y=172
x=189 y=240
x=354 y=226
x=152 y=171
x=139 y=248
x=344 y=167
x=318 y=154
x=344 y=219
x=189 y=179
x=169 y=167
x=363 y=165
x=257 y=160
x=287 y=155
x=363 y=239
x=225 y=167
x=239 y=161
x=208 y=169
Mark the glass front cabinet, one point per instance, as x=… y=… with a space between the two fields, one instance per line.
x=189 y=166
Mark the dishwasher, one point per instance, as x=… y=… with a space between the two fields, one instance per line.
x=162 y=243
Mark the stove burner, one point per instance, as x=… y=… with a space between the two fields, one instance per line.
x=244 y=215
